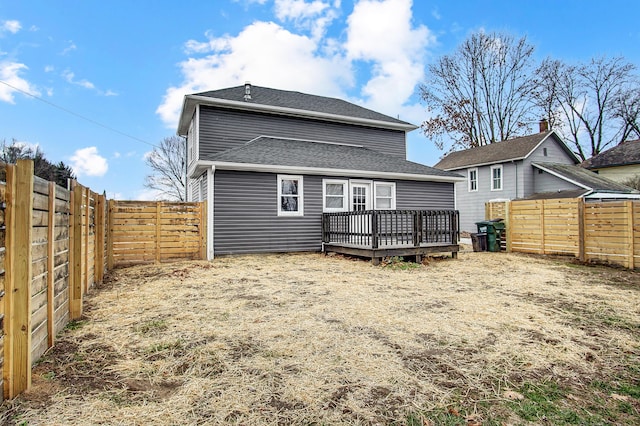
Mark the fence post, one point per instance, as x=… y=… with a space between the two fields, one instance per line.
x=374 y=229
x=581 y=231
x=110 y=259
x=75 y=274
x=507 y=224
x=19 y=276
x=51 y=223
x=98 y=250
x=542 y=242
x=630 y=224
x=203 y=230
x=158 y=234
x=86 y=231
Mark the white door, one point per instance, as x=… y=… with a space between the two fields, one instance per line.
x=360 y=200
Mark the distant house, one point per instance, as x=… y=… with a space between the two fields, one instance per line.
x=534 y=166
x=270 y=162
x=620 y=163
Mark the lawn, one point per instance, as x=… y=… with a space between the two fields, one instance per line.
x=489 y=338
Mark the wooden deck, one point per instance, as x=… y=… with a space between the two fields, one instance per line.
x=387 y=233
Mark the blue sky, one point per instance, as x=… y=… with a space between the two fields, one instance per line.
x=126 y=65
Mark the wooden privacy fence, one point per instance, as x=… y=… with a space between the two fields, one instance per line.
x=55 y=244
x=592 y=231
x=144 y=231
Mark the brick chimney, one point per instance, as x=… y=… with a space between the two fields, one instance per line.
x=544 y=125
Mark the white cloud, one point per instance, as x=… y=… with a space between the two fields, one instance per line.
x=10 y=26
x=71 y=47
x=116 y=154
x=49 y=68
x=149 y=195
x=10 y=73
x=380 y=40
x=87 y=162
x=70 y=77
x=381 y=34
x=265 y=54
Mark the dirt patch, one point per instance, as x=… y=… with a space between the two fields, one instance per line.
x=302 y=339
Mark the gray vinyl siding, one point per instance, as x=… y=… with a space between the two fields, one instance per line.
x=198 y=188
x=555 y=154
x=546 y=182
x=220 y=130
x=246 y=218
x=471 y=204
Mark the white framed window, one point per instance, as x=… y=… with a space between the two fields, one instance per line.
x=496 y=178
x=472 y=176
x=335 y=195
x=290 y=196
x=384 y=195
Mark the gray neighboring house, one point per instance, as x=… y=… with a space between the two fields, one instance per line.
x=269 y=162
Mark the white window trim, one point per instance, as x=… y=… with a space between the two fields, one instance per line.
x=300 y=211
x=501 y=178
x=475 y=169
x=375 y=195
x=345 y=195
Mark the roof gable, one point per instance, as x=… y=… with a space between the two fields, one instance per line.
x=499 y=152
x=623 y=154
x=284 y=102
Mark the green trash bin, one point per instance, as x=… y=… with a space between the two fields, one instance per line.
x=494 y=230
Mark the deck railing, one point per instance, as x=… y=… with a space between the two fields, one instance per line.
x=390 y=228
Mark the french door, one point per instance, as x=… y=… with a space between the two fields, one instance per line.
x=360 y=200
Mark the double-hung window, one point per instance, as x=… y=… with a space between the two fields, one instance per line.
x=496 y=178
x=384 y=195
x=335 y=195
x=473 y=179
x=290 y=196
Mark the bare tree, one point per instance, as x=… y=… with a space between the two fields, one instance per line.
x=42 y=167
x=168 y=174
x=481 y=93
x=591 y=105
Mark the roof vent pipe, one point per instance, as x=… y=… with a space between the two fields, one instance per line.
x=247 y=91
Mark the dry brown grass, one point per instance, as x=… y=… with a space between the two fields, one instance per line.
x=302 y=339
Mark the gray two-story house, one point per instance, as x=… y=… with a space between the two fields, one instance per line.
x=535 y=166
x=270 y=162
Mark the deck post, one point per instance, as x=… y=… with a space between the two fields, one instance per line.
x=374 y=229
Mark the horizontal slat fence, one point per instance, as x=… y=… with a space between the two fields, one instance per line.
x=146 y=232
x=592 y=231
x=55 y=245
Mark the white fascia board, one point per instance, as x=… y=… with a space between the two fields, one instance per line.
x=558 y=175
x=491 y=163
x=267 y=168
x=612 y=195
x=190 y=101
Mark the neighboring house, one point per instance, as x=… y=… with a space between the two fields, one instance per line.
x=534 y=166
x=620 y=163
x=270 y=162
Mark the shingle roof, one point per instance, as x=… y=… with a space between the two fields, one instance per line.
x=267 y=150
x=567 y=193
x=300 y=101
x=626 y=153
x=497 y=152
x=585 y=177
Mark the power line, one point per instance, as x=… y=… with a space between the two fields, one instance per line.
x=68 y=111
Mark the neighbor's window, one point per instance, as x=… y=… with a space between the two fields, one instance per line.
x=290 y=202
x=385 y=195
x=473 y=180
x=334 y=195
x=496 y=178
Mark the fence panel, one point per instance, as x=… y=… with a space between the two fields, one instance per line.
x=145 y=232
x=606 y=231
